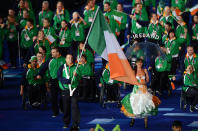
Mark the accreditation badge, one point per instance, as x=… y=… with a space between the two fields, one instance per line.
x=77 y=33
x=110 y=81
x=90 y=19
x=27 y=38
x=168 y=50
x=182 y=36
x=11 y=36
x=62 y=41
x=154 y=33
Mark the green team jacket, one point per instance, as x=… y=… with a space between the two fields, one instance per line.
x=163 y=64
x=20 y=15
x=121 y=18
x=114 y=26
x=78 y=31
x=136 y=27
x=89 y=15
x=191 y=61
x=45 y=14
x=146 y=3
x=155 y=29
x=85 y=70
x=31 y=75
x=167 y=19
x=44 y=43
x=46 y=74
x=113 y=3
x=88 y=54
x=51 y=32
x=58 y=18
x=172 y=46
x=180 y=4
x=180 y=34
x=23 y=23
x=144 y=14
x=27 y=36
x=195 y=31
x=105 y=79
x=66 y=38
x=139 y=54
x=2 y=34
x=32 y=15
x=190 y=80
x=9 y=35
x=54 y=65
x=64 y=81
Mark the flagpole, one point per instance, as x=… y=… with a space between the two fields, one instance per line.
x=72 y=91
x=19 y=51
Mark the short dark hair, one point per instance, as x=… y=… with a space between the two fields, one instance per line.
x=171 y=31
x=25 y=10
x=190 y=46
x=139 y=60
x=60 y=1
x=46 y=20
x=55 y=48
x=31 y=21
x=84 y=56
x=120 y=4
x=169 y=24
x=39 y=53
x=44 y=48
x=137 y=4
x=89 y=1
x=107 y=3
x=177 y=123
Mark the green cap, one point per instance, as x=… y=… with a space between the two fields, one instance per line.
x=33 y=58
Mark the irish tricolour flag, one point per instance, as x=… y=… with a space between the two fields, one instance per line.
x=105 y=44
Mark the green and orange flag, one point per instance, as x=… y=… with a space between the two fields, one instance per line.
x=105 y=44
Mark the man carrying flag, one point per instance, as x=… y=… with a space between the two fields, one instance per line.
x=65 y=74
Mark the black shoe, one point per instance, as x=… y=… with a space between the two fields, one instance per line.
x=131 y=123
x=75 y=128
x=55 y=115
x=146 y=126
x=196 y=108
x=192 y=108
x=158 y=92
x=146 y=123
x=66 y=126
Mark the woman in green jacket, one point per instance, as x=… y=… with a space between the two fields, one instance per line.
x=65 y=38
x=190 y=86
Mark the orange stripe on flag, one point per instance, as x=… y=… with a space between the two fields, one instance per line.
x=120 y=70
x=178 y=12
x=194 y=12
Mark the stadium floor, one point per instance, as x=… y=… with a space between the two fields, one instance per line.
x=13 y=117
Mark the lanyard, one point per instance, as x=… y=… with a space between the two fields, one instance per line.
x=39 y=42
x=92 y=13
x=43 y=13
x=47 y=30
x=189 y=61
x=63 y=33
x=59 y=15
x=190 y=78
x=171 y=43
